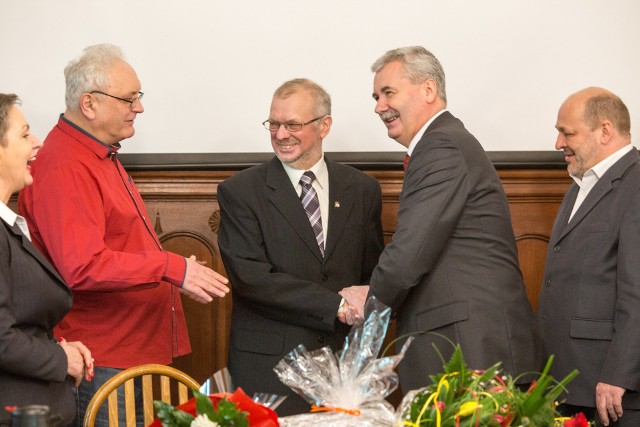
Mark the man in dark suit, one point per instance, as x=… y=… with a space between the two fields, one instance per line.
x=285 y=272
x=452 y=268
x=589 y=312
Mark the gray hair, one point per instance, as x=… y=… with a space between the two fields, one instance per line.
x=419 y=63
x=7 y=101
x=321 y=99
x=89 y=72
x=607 y=106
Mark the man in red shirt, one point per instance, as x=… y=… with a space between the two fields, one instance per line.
x=86 y=215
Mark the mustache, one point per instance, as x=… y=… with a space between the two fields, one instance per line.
x=289 y=141
x=391 y=114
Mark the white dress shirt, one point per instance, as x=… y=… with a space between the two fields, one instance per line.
x=418 y=136
x=591 y=177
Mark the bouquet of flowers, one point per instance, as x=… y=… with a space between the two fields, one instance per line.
x=347 y=388
x=215 y=410
x=462 y=397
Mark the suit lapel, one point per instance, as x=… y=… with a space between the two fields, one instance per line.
x=284 y=198
x=34 y=252
x=340 y=205
x=562 y=218
x=602 y=187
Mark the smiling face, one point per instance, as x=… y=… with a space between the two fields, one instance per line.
x=301 y=149
x=404 y=107
x=576 y=139
x=18 y=147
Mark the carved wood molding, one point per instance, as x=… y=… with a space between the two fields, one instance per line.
x=214 y=221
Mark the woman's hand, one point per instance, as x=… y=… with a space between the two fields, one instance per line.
x=79 y=361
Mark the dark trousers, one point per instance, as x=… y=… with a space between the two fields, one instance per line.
x=88 y=389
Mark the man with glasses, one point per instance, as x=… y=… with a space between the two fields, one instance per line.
x=86 y=215
x=294 y=231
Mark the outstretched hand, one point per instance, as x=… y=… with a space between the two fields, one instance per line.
x=202 y=283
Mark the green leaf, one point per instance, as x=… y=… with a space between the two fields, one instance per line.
x=170 y=416
x=204 y=406
x=456 y=363
x=228 y=415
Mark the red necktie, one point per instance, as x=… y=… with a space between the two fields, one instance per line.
x=406 y=161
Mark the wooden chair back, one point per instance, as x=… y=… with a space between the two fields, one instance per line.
x=109 y=392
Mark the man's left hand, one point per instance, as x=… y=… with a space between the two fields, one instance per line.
x=609 y=402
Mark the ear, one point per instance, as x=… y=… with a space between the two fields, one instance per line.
x=430 y=90
x=88 y=106
x=606 y=131
x=325 y=126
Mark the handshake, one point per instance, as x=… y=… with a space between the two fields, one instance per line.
x=352 y=308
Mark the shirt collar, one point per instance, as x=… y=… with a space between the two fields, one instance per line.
x=7 y=214
x=601 y=168
x=319 y=170
x=98 y=147
x=11 y=218
x=422 y=130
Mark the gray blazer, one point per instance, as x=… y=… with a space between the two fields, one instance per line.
x=284 y=292
x=589 y=310
x=33 y=299
x=452 y=266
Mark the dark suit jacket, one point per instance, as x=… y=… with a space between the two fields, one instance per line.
x=33 y=299
x=284 y=292
x=589 y=311
x=452 y=266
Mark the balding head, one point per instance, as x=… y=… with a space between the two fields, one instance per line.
x=598 y=104
x=592 y=124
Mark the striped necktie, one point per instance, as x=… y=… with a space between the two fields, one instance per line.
x=406 y=161
x=311 y=205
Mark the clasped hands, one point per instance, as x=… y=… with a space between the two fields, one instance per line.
x=352 y=309
x=79 y=360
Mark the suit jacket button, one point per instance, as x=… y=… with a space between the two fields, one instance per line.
x=556 y=249
x=547 y=283
x=324 y=277
x=320 y=340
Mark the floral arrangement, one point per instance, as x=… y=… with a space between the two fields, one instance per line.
x=216 y=410
x=461 y=397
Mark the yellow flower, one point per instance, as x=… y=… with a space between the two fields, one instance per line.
x=468 y=408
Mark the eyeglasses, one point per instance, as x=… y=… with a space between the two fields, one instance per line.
x=273 y=126
x=132 y=102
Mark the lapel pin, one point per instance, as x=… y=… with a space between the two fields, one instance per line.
x=336 y=204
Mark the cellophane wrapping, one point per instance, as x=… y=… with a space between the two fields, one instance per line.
x=350 y=386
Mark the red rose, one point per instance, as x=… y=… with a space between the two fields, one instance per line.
x=578 y=420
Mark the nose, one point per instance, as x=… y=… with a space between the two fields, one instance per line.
x=282 y=133
x=381 y=106
x=560 y=142
x=138 y=107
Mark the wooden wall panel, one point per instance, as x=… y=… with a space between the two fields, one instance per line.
x=534 y=198
x=185 y=210
x=185 y=202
